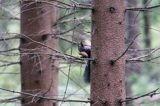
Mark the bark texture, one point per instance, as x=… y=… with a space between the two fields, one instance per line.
x=107 y=76
x=38 y=72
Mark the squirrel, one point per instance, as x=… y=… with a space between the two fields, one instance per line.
x=85 y=52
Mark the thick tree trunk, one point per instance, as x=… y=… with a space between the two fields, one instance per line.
x=38 y=72
x=107 y=75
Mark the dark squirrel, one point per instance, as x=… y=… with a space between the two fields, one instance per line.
x=85 y=52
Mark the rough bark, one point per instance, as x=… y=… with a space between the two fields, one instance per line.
x=107 y=75
x=38 y=72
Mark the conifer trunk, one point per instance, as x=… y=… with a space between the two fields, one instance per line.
x=38 y=72
x=108 y=75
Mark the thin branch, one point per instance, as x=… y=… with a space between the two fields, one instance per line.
x=49 y=3
x=9 y=38
x=9 y=50
x=151 y=94
x=65 y=5
x=142 y=8
x=127 y=48
x=13 y=99
x=10 y=18
x=44 y=97
x=9 y=64
x=65 y=16
x=143 y=56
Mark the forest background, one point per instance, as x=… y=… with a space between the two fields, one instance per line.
x=71 y=30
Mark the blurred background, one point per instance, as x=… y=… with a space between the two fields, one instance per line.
x=74 y=25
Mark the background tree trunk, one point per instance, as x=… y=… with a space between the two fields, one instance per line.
x=132 y=29
x=38 y=73
x=108 y=76
x=147 y=25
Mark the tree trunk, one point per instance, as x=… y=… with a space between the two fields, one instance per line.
x=147 y=24
x=132 y=30
x=108 y=74
x=38 y=72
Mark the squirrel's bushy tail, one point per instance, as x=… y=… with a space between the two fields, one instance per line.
x=86 y=74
